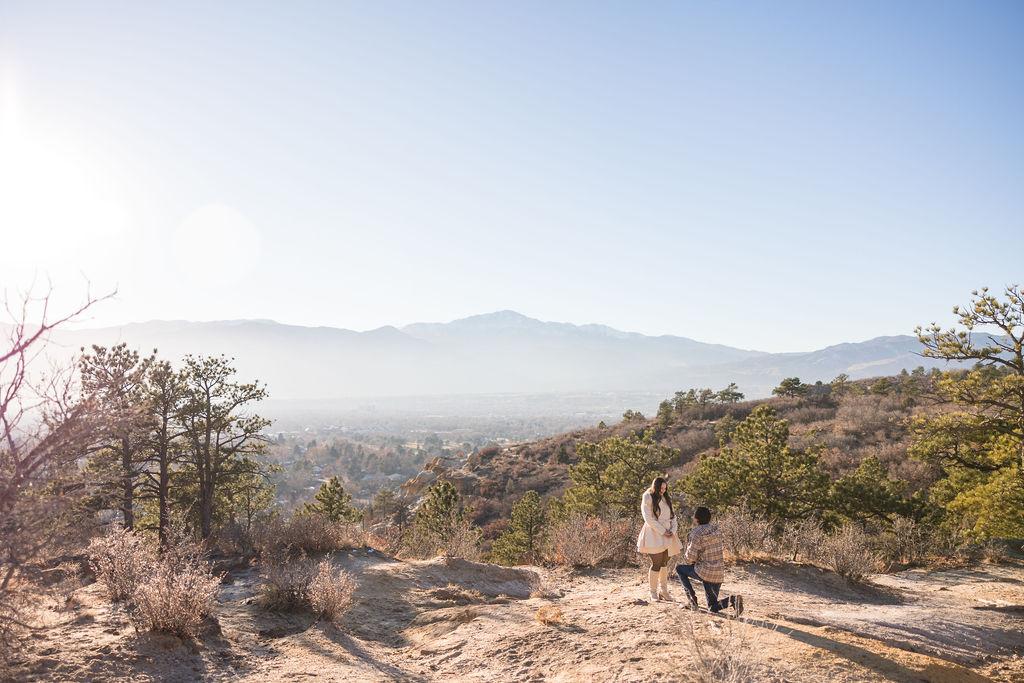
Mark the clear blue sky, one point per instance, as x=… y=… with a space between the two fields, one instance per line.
x=778 y=176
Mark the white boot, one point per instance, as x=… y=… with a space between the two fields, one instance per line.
x=663 y=585
x=652 y=577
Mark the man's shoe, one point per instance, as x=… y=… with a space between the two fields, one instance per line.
x=691 y=603
x=737 y=603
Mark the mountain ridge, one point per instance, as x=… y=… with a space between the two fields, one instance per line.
x=500 y=352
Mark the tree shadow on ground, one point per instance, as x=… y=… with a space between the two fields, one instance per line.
x=822 y=584
x=888 y=668
x=353 y=648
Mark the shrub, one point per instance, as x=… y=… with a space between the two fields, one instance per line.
x=386 y=540
x=524 y=534
x=744 y=533
x=801 y=538
x=848 y=553
x=330 y=591
x=584 y=541
x=904 y=543
x=994 y=552
x=463 y=540
x=121 y=560
x=296 y=585
x=307 y=533
x=284 y=583
x=178 y=594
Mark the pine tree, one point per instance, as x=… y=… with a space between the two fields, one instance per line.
x=521 y=540
x=610 y=476
x=334 y=502
x=441 y=512
x=868 y=493
x=791 y=387
x=760 y=470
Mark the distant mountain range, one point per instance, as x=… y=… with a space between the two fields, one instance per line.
x=503 y=352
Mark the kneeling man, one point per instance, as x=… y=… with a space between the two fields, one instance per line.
x=703 y=561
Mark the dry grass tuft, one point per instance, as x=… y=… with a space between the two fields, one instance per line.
x=549 y=615
x=724 y=651
x=458 y=595
x=545 y=592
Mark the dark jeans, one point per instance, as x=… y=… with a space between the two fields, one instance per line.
x=687 y=572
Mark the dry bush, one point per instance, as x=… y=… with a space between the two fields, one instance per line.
x=905 y=543
x=294 y=584
x=464 y=542
x=306 y=533
x=330 y=591
x=744 y=534
x=178 y=594
x=15 y=610
x=994 y=552
x=386 y=539
x=848 y=553
x=122 y=560
x=583 y=541
x=864 y=416
x=809 y=414
x=46 y=427
x=285 y=581
x=692 y=441
x=549 y=615
x=417 y=543
x=801 y=539
x=726 y=656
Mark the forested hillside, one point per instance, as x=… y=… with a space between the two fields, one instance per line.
x=846 y=422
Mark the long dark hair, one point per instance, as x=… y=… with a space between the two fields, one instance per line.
x=656 y=497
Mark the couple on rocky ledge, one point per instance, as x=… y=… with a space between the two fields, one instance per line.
x=702 y=559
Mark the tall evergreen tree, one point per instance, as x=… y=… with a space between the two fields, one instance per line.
x=611 y=476
x=760 y=470
x=115 y=378
x=221 y=439
x=165 y=393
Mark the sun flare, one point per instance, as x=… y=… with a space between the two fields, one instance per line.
x=55 y=198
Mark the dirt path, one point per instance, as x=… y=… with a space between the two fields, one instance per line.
x=455 y=620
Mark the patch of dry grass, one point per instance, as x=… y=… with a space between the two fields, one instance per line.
x=549 y=615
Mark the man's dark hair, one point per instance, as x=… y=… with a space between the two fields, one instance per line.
x=703 y=515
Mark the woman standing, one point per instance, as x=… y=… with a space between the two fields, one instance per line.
x=658 y=536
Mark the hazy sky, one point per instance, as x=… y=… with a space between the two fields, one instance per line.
x=778 y=176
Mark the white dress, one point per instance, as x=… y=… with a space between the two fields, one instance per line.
x=652 y=539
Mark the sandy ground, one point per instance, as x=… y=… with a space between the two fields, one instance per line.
x=457 y=620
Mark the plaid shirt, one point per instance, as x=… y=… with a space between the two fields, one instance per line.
x=704 y=551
